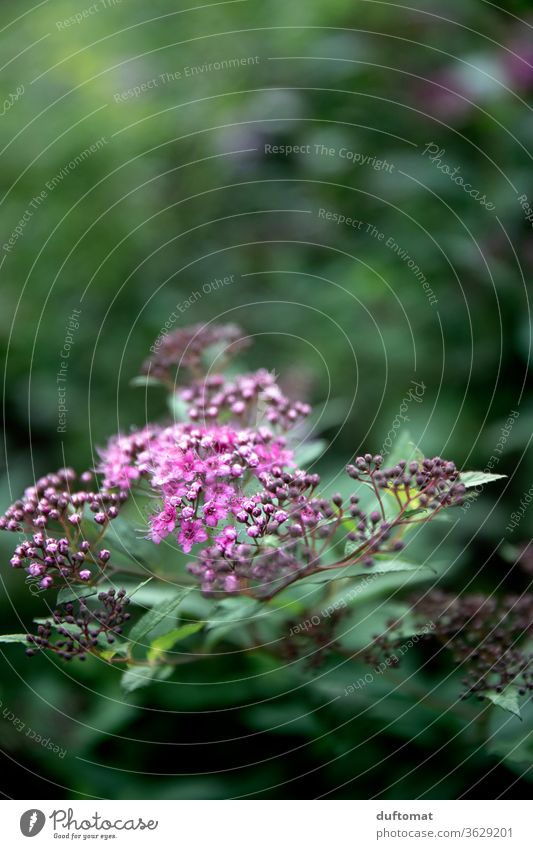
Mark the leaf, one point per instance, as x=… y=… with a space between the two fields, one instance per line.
x=508 y=699
x=403 y=448
x=308 y=452
x=111 y=651
x=141 y=676
x=75 y=593
x=230 y=613
x=420 y=513
x=178 y=407
x=13 y=638
x=144 y=380
x=139 y=587
x=165 y=642
x=372 y=586
x=380 y=567
x=470 y=479
x=156 y=615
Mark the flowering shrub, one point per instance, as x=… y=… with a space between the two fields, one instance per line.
x=222 y=485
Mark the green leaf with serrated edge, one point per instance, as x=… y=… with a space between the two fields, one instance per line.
x=357 y=570
x=13 y=638
x=508 y=700
x=165 y=643
x=75 y=593
x=154 y=617
x=141 y=676
x=470 y=479
x=308 y=452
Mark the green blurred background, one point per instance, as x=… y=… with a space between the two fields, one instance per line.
x=185 y=188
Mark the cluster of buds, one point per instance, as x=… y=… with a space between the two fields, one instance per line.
x=51 y=561
x=482 y=633
x=250 y=400
x=52 y=502
x=57 y=551
x=229 y=567
x=420 y=484
x=186 y=348
x=286 y=532
x=75 y=632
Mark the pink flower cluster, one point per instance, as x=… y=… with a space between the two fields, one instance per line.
x=204 y=468
x=201 y=473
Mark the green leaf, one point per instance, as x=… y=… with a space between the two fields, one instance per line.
x=179 y=408
x=403 y=448
x=144 y=380
x=508 y=699
x=380 y=567
x=165 y=642
x=75 y=593
x=141 y=676
x=375 y=586
x=139 y=587
x=308 y=452
x=421 y=513
x=229 y=614
x=470 y=479
x=154 y=617
x=111 y=651
x=13 y=638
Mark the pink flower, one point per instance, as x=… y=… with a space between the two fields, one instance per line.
x=220 y=492
x=163 y=523
x=188 y=466
x=214 y=511
x=192 y=531
x=226 y=539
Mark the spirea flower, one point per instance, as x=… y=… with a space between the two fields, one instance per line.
x=200 y=473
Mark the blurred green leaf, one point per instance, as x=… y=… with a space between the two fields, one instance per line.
x=142 y=676
x=380 y=567
x=165 y=642
x=157 y=615
x=68 y=594
x=308 y=452
x=508 y=700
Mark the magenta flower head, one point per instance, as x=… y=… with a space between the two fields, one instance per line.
x=192 y=532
